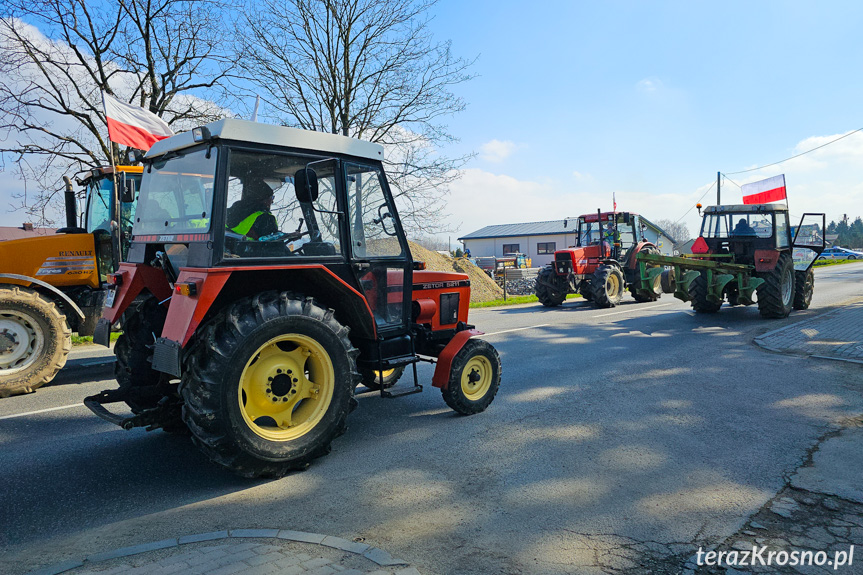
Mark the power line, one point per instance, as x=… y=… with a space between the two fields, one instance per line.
x=796 y=156
x=713 y=185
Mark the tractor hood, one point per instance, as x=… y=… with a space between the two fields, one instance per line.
x=59 y=259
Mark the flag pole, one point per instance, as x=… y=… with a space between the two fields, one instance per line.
x=115 y=196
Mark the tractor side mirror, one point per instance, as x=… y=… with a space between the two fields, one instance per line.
x=306 y=185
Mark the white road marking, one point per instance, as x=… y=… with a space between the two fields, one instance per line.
x=43 y=410
x=516 y=329
x=639 y=308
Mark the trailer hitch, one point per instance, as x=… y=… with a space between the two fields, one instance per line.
x=166 y=411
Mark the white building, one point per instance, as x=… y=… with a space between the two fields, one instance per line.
x=539 y=240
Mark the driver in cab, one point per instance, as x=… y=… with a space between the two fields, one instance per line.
x=250 y=216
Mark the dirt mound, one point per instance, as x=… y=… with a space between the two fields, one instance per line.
x=482 y=287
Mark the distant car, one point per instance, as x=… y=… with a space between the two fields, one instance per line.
x=838 y=253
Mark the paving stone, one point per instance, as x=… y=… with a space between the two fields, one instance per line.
x=831 y=504
x=271 y=557
x=312 y=563
x=322 y=570
x=408 y=571
x=134 y=550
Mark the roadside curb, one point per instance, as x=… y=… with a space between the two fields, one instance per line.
x=378 y=556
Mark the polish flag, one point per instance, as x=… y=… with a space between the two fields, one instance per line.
x=132 y=126
x=765 y=191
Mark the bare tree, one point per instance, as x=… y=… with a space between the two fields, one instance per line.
x=367 y=69
x=57 y=56
x=677 y=230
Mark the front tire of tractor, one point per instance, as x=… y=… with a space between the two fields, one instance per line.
x=698 y=291
x=546 y=295
x=607 y=286
x=34 y=340
x=474 y=378
x=804 y=287
x=776 y=294
x=372 y=378
x=269 y=384
x=656 y=292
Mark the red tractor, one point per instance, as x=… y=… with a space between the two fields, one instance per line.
x=601 y=265
x=268 y=276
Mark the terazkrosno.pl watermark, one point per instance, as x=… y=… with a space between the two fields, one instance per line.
x=762 y=556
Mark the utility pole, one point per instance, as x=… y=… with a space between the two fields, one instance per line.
x=718 y=175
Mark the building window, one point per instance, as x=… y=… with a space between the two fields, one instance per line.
x=546 y=248
x=510 y=248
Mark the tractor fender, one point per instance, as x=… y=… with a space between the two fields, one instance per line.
x=631 y=262
x=48 y=287
x=765 y=260
x=130 y=281
x=444 y=360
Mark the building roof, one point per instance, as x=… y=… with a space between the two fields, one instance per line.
x=547 y=228
x=245 y=131
x=10 y=233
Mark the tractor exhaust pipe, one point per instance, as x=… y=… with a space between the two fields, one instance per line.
x=71 y=205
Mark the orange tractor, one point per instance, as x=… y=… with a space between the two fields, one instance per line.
x=268 y=276
x=602 y=264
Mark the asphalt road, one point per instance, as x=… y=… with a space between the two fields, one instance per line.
x=642 y=423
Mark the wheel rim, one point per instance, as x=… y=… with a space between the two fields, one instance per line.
x=21 y=341
x=787 y=283
x=612 y=285
x=286 y=387
x=476 y=378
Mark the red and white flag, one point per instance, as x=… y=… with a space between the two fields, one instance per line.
x=765 y=191
x=132 y=126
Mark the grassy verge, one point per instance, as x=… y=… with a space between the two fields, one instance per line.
x=514 y=300
x=822 y=263
x=84 y=340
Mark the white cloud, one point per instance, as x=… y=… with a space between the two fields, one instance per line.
x=497 y=151
x=649 y=85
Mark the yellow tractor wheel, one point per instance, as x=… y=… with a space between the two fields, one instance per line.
x=269 y=385
x=474 y=378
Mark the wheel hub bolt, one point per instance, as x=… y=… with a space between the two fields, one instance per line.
x=474 y=376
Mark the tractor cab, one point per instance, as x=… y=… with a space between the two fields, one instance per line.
x=615 y=233
x=744 y=233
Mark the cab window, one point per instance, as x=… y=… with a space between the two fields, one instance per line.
x=266 y=218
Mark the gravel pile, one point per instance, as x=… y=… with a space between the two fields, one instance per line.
x=482 y=287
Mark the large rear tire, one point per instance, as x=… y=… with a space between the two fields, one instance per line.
x=698 y=291
x=607 y=286
x=474 y=378
x=547 y=295
x=804 y=287
x=35 y=340
x=134 y=351
x=776 y=294
x=269 y=384
x=372 y=378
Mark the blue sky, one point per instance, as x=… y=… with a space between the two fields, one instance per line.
x=650 y=100
x=574 y=101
